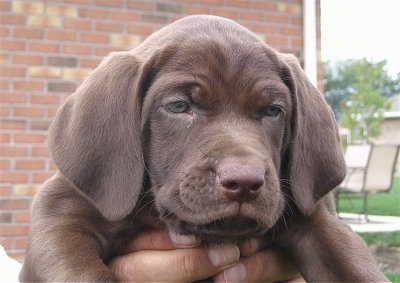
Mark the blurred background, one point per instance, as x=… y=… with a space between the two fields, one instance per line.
x=348 y=48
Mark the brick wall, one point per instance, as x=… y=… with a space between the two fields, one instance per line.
x=48 y=47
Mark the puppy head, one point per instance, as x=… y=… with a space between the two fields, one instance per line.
x=218 y=119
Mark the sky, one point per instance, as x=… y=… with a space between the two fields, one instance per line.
x=353 y=29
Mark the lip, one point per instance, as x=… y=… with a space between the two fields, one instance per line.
x=231 y=229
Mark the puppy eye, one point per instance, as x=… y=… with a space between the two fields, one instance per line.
x=178 y=107
x=272 y=111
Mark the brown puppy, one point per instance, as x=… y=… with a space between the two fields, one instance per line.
x=212 y=132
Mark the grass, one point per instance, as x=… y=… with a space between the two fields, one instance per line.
x=393 y=277
x=379 y=204
x=388 y=239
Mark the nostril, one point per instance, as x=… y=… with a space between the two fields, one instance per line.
x=230 y=185
x=241 y=182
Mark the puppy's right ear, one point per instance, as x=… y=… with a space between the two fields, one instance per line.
x=95 y=138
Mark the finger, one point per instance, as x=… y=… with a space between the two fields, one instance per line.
x=271 y=264
x=180 y=265
x=252 y=245
x=160 y=239
x=268 y=265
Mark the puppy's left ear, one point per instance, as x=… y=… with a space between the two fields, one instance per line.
x=316 y=159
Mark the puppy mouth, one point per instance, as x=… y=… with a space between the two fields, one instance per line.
x=224 y=230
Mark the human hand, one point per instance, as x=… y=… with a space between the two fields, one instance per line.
x=157 y=255
x=259 y=263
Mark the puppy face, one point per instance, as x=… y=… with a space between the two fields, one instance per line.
x=218 y=120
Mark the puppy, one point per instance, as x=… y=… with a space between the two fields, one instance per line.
x=211 y=132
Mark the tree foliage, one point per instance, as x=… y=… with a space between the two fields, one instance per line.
x=358 y=92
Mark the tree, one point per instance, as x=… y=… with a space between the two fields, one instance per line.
x=358 y=92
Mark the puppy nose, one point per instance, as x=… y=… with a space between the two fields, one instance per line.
x=241 y=181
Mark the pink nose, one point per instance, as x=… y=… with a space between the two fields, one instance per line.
x=240 y=180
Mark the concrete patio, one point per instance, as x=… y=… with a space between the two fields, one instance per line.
x=376 y=223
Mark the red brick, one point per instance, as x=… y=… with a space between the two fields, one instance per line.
x=78 y=1
x=154 y=18
x=264 y=5
x=51 y=112
x=166 y=7
x=193 y=10
x=13 y=151
x=290 y=31
x=109 y=26
x=28 y=111
x=10 y=71
x=212 y=2
x=278 y=18
x=40 y=125
x=124 y=16
x=243 y=4
x=110 y=3
x=40 y=151
x=4 y=111
x=14 y=204
x=21 y=243
x=90 y=63
x=141 y=5
x=4 y=84
x=44 y=47
x=13 y=125
x=29 y=164
x=78 y=24
x=4 y=58
x=12 y=45
x=12 y=97
x=5 y=6
x=77 y=49
x=28 y=33
x=14 y=230
x=5 y=164
x=13 y=177
x=226 y=12
x=62 y=35
x=95 y=38
x=27 y=59
x=104 y=51
x=5 y=137
x=45 y=99
x=13 y=19
x=93 y=13
x=4 y=32
x=29 y=138
x=252 y=15
x=5 y=191
x=5 y=242
x=140 y=28
x=22 y=216
x=28 y=85
x=40 y=177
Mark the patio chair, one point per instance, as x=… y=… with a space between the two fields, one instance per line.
x=371 y=173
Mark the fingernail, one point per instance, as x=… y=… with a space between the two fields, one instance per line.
x=237 y=273
x=223 y=255
x=183 y=240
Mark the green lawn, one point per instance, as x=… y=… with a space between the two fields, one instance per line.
x=380 y=203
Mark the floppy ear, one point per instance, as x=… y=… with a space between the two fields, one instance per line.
x=95 y=137
x=316 y=159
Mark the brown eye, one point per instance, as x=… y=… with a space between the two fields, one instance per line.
x=178 y=107
x=272 y=111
